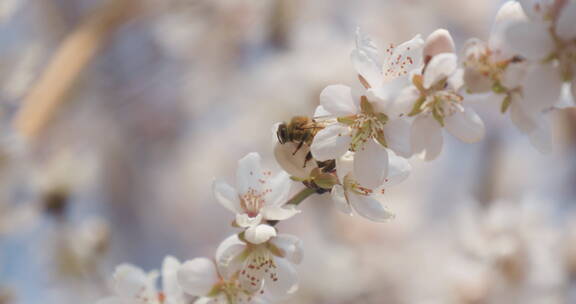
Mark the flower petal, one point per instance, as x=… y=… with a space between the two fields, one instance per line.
x=369 y=207
x=291 y=247
x=279 y=186
x=426 y=137
x=541 y=137
x=170 y=285
x=226 y=195
x=279 y=213
x=397 y=134
x=344 y=165
x=514 y=74
x=130 y=281
x=383 y=98
x=198 y=276
x=406 y=99
x=244 y=220
x=331 y=142
x=285 y=285
x=364 y=61
x=440 y=67
x=371 y=164
x=337 y=99
x=466 y=125
x=294 y=163
x=259 y=234
x=249 y=173
x=227 y=256
x=339 y=198
x=509 y=13
x=440 y=41
x=521 y=120
x=565 y=26
x=530 y=39
x=321 y=112
x=542 y=88
x=405 y=58
x=398 y=171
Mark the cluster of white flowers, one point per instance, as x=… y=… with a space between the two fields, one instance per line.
x=358 y=141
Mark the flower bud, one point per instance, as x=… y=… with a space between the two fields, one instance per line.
x=438 y=42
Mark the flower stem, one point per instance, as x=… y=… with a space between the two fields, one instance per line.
x=296 y=200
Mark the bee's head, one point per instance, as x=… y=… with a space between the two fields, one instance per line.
x=282 y=133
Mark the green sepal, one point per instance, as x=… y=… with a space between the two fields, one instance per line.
x=505 y=103
x=348 y=120
x=438 y=116
x=366 y=106
x=498 y=88
x=417 y=108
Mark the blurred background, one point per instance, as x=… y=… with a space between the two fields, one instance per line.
x=129 y=110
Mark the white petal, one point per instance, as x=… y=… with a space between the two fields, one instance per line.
x=279 y=213
x=371 y=164
x=440 y=41
x=170 y=285
x=541 y=137
x=285 y=286
x=521 y=120
x=206 y=300
x=321 y=112
x=406 y=99
x=249 y=173
x=509 y=13
x=226 y=195
x=244 y=220
x=279 y=187
x=129 y=280
x=456 y=80
x=542 y=88
x=566 y=25
x=466 y=125
x=331 y=142
x=398 y=171
x=259 y=234
x=426 y=137
x=383 y=98
x=440 y=67
x=364 y=60
x=339 y=198
x=369 y=207
x=405 y=58
x=291 y=247
x=227 y=255
x=337 y=99
x=530 y=39
x=397 y=134
x=198 y=276
x=514 y=74
x=294 y=163
x=344 y=165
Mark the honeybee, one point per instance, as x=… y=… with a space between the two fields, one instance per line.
x=299 y=130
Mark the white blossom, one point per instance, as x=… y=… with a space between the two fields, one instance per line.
x=436 y=102
x=134 y=286
x=265 y=269
x=350 y=195
x=258 y=196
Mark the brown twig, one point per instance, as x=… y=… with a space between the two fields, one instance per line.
x=69 y=60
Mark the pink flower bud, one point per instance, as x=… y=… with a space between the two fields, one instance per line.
x=438 y=42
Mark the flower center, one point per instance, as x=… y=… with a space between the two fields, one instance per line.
x=253 y=200
x=259 y=266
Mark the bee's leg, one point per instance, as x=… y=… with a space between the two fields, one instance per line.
x=304 y=139
x=307 y=159
x=298 y=147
